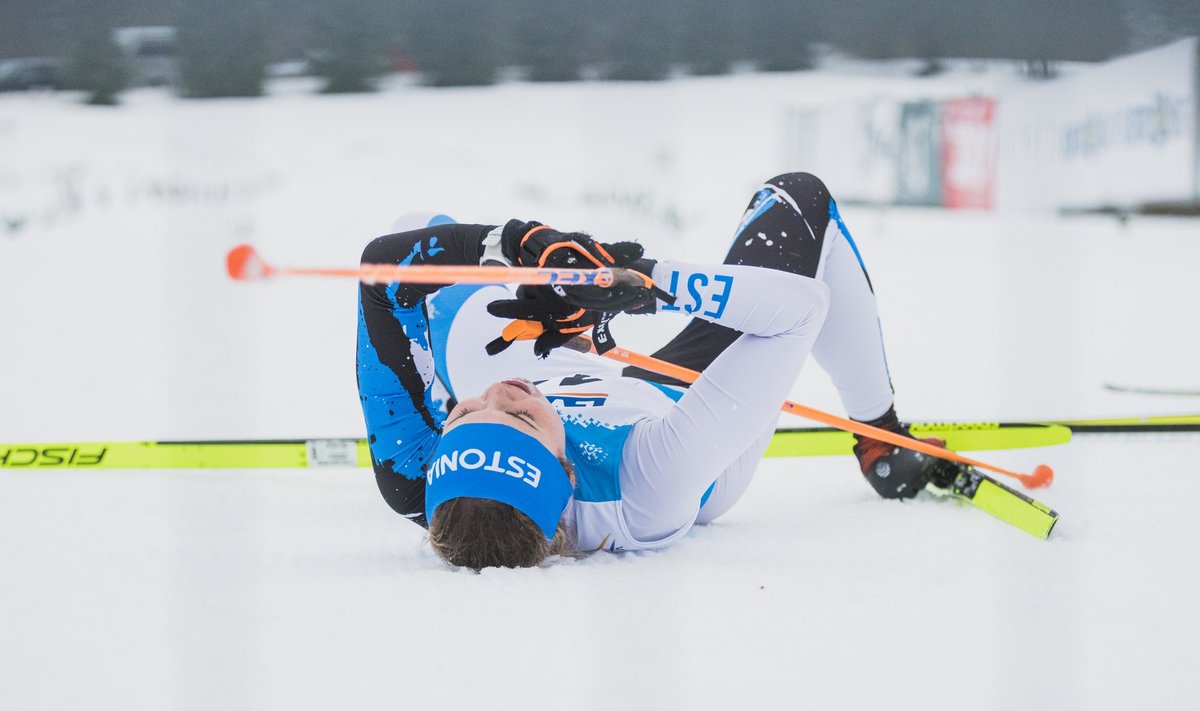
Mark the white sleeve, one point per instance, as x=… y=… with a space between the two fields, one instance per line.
x=669 y=462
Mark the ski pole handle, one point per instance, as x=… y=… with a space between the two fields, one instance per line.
x=244 y=264
x=1041 y=476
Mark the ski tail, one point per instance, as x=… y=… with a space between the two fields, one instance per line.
x=1008 y=505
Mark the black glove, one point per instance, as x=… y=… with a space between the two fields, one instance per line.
x=532 y=244
x=543 y=315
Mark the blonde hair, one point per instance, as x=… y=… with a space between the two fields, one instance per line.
x=483 y=533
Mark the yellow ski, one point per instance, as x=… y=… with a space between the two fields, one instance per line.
x=293 y=454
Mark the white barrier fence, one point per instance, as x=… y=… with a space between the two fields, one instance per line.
x=1122 y=134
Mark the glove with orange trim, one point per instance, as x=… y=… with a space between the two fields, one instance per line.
x=543 y=316
x=553 y=315
x=532 y=244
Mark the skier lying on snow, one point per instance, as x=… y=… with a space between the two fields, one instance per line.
x=552 y=451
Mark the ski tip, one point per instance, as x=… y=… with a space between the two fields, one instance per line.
x=1041 y=477
x=244 y=264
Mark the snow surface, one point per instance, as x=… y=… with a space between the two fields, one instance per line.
x=301 y=589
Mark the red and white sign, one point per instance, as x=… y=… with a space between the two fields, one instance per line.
x=968 y=152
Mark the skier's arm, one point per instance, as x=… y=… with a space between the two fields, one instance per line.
x=668 y=463
x=395 y=363
x=450 y=244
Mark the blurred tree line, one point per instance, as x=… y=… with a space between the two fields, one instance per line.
x=225 y=45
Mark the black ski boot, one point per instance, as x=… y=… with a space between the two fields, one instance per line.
x=895 y=472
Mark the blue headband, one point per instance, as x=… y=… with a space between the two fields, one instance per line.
x=498 y=462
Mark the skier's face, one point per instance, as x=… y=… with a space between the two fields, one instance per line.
x=518 y=404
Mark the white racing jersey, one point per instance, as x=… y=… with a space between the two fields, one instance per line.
x=650 y=459
x=598 y=415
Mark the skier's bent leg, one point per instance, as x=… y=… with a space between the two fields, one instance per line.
x=793 y=224
x=850 y=347
x=733 y=482
x=782 y=228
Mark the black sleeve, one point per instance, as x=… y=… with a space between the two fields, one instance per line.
x=452 y=244
x=403 y=423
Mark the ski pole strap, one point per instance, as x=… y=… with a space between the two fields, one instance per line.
x=601 y=337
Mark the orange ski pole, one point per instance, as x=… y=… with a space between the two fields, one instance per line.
x=244 y=264
x=1042 y=476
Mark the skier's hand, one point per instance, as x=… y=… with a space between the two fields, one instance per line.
x=546 y=318
x=532 y=244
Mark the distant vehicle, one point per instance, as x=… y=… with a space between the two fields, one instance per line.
x=152 y=52
x=32 y=73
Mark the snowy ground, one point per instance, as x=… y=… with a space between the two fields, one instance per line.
x=145 y=590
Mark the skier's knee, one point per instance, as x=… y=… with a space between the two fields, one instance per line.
x=800 y=181
x=804 y=188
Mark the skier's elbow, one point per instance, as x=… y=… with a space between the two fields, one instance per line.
x=375 y=251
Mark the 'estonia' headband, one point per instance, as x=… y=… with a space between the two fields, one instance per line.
x=498 y=462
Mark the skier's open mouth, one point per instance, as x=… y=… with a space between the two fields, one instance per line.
x=522 y=384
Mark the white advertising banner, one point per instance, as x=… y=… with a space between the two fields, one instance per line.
x=1121 y=134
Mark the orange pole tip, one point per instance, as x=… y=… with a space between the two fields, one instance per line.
x=1041 y=477
x=244 y=264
